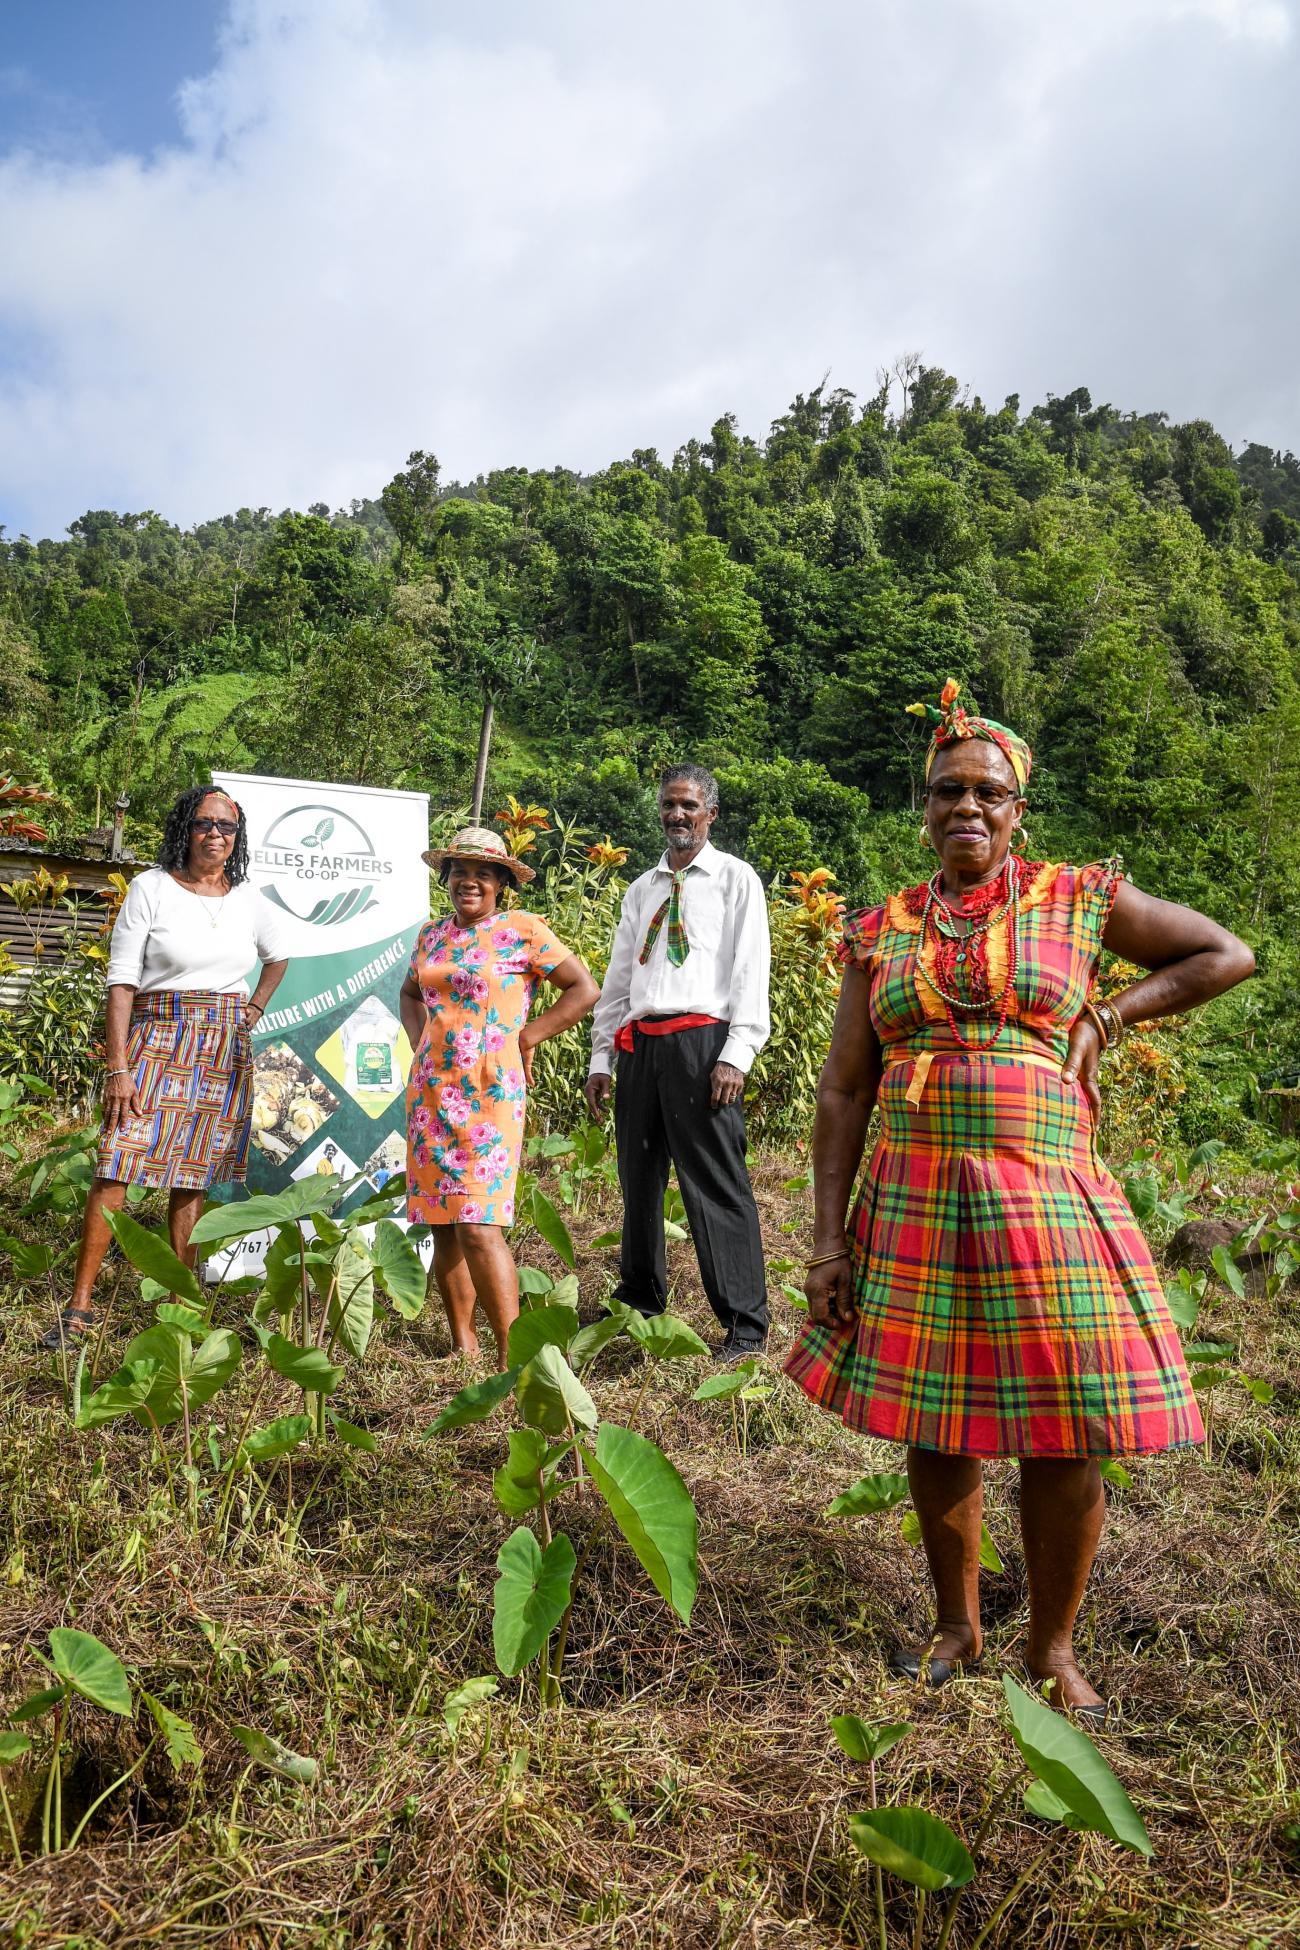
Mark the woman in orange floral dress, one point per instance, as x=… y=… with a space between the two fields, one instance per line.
x=465 y=1004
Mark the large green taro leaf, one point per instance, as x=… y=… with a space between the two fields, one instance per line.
x=530 y=1595
x=652 y=1507
x=222 y=1223
x=551 y=1397
x=151 y=1255
x=89 y=1668
x=398 y=1269
x=880 y=1491
x=1065 y=1760
x=546 y=1326
x=913 y=1845
x=475 y=1403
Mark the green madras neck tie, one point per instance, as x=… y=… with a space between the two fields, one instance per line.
x=678 y=946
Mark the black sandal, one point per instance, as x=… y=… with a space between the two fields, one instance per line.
x=1091 y=1713
x=73 y=1324
x=907 y=1664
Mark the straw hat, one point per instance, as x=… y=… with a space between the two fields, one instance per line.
x=479 y=843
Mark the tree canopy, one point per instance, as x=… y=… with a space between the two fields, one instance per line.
x=1124 y=591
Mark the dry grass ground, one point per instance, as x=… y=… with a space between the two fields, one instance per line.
x=687 y=1792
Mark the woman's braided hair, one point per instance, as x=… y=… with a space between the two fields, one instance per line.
x=174 y=853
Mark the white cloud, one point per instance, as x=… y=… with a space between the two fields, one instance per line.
x=551 y=234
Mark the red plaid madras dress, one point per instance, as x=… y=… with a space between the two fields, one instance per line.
x=1008 y=1304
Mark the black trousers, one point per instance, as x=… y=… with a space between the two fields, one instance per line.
x=662 y=1116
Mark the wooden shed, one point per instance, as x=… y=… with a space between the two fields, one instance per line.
x=41 y=936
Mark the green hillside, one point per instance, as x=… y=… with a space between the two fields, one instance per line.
x=1123 y=590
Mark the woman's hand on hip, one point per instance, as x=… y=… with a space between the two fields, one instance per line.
x=526 y=1047
x=1081 y=1061
x=121 y=1102
x=829 y=1291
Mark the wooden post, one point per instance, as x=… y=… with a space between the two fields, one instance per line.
x=480 y=771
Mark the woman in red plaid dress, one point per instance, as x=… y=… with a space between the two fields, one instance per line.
x=996 y=1297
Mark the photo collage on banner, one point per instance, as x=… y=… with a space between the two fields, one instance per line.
x=330 y=1057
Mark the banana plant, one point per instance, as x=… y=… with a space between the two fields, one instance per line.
x=83 y=1668
x=563 y=1449
x=1071 y=1786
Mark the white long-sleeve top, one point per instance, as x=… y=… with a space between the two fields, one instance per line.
x=724 y=975
x=166 y=937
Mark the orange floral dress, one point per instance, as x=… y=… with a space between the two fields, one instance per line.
x=465 y=1095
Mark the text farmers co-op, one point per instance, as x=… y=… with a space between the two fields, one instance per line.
x=320 y=866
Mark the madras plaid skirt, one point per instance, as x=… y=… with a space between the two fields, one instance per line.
x=1008 y=1304
x=189 y=1052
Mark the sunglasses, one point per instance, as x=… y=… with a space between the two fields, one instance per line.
x=226 y=827
x=949 y=791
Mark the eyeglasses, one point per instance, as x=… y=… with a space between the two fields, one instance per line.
x=226 y=827
x=949 y=792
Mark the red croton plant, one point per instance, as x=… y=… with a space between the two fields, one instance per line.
x=14 y=798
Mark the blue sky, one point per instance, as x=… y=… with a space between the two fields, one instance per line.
x=86 y=77
x=253 y=252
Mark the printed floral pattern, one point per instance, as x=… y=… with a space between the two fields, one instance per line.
x=465 y=1095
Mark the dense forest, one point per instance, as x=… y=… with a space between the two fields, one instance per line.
x=1124 y=591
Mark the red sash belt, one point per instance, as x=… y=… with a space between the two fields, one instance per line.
x=665 y=1026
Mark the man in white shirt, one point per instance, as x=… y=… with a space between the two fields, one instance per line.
x=685 y=1005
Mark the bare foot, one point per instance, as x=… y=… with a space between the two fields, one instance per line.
x=955 y=1643
x=1070 y=1692
x=949 y=1646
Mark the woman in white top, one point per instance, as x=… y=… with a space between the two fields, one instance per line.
x=178 y=1087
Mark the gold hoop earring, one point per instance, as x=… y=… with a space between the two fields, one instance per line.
x=1019 y=839
x=924 y=836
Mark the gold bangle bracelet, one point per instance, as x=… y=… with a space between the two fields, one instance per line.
x=824 y=1259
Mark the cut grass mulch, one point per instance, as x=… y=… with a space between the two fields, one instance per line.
x=688 y=1791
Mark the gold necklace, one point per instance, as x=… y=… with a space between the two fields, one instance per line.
x=213 y=920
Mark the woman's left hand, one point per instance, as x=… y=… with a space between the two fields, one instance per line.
x=526 y=1048
x=1081 y=1060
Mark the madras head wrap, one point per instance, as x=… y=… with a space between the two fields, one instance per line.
x=951 y=721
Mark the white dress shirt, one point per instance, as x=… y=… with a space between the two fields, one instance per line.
x=166 y=937
x=724 y=910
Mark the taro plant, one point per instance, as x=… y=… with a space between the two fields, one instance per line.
x=535 y=1209
x=1071 y=1786
x=1167 y=1197
x=883 y=1490
x=868 y=1744
x=582 y=1162
x=322 y=1274
x=56 y=1183
x=740 y=1386
x=83 y=1669
x=1213 y=1364
x=563 y=1450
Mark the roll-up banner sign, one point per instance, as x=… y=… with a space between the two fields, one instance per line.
x=342 y=865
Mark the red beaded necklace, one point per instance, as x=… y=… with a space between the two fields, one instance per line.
x=961 y=954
